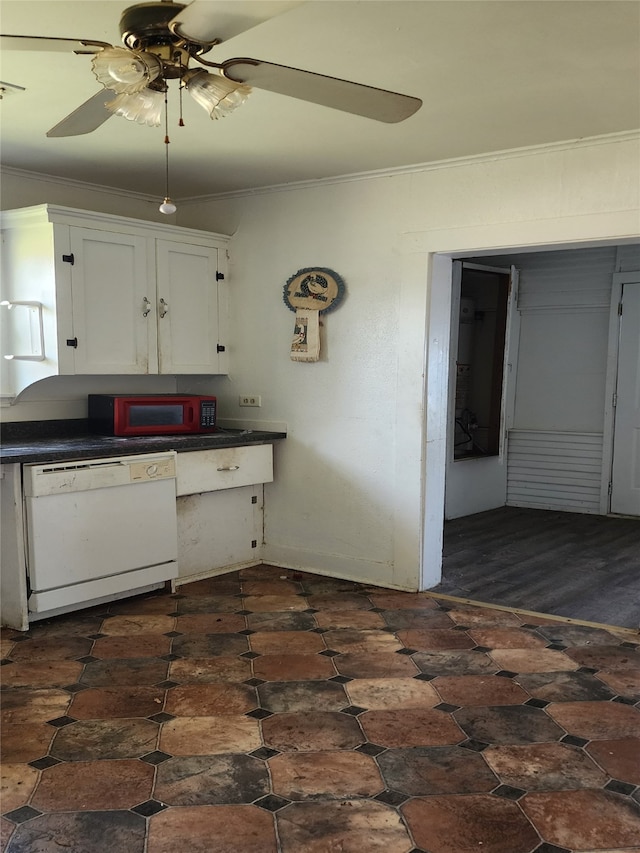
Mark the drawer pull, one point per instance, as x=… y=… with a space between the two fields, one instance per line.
x=229 y=468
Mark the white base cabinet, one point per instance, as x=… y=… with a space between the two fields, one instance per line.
x=112 y=295
x=220 y=520
x=221 y=509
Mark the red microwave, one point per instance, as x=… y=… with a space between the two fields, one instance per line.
x=151 y=414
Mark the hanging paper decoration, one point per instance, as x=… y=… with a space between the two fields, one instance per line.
x=311 y=292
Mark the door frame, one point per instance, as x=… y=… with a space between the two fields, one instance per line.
x=611 y=382
x=476 y=468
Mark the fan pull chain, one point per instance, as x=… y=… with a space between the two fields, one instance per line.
x=166 y=127
x=180 y=88
x=167 y=205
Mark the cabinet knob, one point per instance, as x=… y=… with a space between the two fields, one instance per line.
x=164 y=307
x=146 y=306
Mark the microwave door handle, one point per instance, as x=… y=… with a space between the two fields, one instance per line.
x=190 y=414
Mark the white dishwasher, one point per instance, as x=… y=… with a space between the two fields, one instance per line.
x=99 y=529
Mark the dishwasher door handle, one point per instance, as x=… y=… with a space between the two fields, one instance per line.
x=78 y=466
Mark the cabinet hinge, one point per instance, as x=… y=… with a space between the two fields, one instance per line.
x=221 y=348
x=614 y=400
x=72 y=342
x=254 y=543
x=69 y=259
x=619 y=308
x=609 y=489
x=219 y=276
x=254 y=499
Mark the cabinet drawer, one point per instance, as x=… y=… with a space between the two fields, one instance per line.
x=225 y=468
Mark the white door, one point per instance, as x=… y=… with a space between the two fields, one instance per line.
x=477 y=482
x=113 y=301
x=187 y=308
x=625 y=480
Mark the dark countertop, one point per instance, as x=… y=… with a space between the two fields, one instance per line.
x=38 y=441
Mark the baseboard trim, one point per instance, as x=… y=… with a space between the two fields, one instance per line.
x=367 y=572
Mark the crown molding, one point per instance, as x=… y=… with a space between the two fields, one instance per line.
x=416 y=168
x=24 y=174
x=430 y=166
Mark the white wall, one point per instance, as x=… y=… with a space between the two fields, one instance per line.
x=350 y=496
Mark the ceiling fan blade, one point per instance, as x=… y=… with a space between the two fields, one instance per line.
x=205 y=22
x=355 y=98
x=10 y=42
x=7 y=89
x=87 y=117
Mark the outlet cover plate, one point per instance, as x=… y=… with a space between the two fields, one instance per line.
x=250 y=400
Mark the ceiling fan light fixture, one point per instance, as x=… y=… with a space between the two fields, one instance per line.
x=143 y=107
x=218 y=95
x=124 y=70
x=168 y=206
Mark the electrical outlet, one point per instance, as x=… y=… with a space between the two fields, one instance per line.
x=250 y=400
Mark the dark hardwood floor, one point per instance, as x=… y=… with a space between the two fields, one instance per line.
x=568 y=564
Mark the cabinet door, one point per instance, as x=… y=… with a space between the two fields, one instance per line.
x=188 y=317
x=111 y=277
x=219 y=530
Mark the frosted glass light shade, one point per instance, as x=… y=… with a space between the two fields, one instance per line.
x=218 y=95
x=125 y=70
x=168 y=206
x=143 y=107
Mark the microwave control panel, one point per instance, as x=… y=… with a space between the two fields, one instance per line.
x=208 y=413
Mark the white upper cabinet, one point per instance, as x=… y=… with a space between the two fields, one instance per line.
x=98 y=294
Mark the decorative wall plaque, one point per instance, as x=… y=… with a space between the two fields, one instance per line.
x=311 y=292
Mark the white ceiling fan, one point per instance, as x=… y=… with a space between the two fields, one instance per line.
x=165 y=40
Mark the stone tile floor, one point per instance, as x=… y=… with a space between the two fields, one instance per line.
x=270 y=711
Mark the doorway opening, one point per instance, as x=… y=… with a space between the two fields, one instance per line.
x=555 y=447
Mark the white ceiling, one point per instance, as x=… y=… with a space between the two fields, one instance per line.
x=493 y=75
